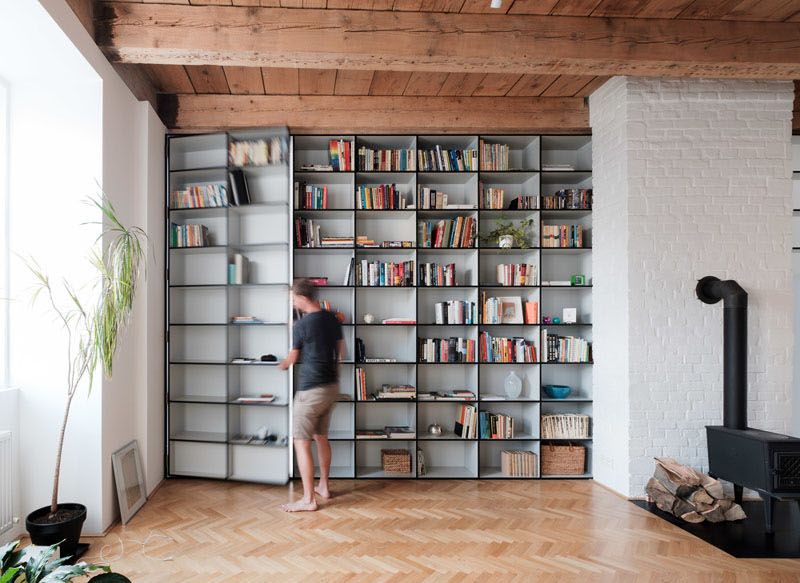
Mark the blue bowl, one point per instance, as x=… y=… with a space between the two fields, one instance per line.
x=557 y=391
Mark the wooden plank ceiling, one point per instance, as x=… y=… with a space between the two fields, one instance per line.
x=210 y=80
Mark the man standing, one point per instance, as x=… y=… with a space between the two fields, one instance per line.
x=319 y=345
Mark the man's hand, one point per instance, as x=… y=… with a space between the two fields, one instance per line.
x=292 y=358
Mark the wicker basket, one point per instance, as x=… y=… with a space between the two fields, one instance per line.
x=396 y=461
x=563 y=460
x=565 y=426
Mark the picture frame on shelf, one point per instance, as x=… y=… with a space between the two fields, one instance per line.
x=511 y=310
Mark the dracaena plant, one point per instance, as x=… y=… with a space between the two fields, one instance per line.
x=95 y=315
x=36 y=565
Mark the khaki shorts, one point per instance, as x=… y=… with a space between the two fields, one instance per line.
x=312 y=411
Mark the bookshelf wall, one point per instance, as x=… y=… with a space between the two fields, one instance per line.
x=538 y=166
x=214 y=400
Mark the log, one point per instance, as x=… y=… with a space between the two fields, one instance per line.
x=735 y=513
x=682 y=474
x=681 y=507
x=713 y=487
x=693 y=517
x=671 y=483
x=662 y=497
x=699 y=498
x=714 y=514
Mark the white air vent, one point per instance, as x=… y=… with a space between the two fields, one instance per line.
x=6 y=477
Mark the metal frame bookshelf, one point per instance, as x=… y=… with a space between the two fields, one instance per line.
x=344 y=440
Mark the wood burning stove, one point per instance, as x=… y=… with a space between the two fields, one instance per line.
x=766 y=462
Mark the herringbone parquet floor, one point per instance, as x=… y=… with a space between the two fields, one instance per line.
x=404 y=531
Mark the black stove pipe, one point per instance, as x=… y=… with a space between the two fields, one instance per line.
x=710 y=290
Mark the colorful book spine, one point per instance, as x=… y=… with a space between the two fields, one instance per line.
x=437 y=275
x=457 y=233
x=433 y=350
x=565 y=348
x=505 y=350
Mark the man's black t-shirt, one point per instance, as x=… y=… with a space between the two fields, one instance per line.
x=316 y=336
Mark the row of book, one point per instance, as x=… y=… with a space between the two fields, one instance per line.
x=453 y=395
x=361 y=384
x=381 y=197
x=430 y=198
x=339 y=151
x=237 y=270
x=509 y=274
x=388 y=432
x=209 y=195
x=188 y=235
x=437 y=275
x=565 y=348
x=492 y=198
x=399 y=160
x=307 y=235
x=265 y=152
x=457 y=233
x=432 y=350
x=385 y=273
x=494 y=156
x=525 y=202
x=569 y=198
x=562 y=236
x=516 y=463
x=307 y=196
x=496 y=426
x=440 y=159
x=455 y=312
x=466 y=424
x=501 y=349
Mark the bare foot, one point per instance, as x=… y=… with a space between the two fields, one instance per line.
x=323 y=492
x=299 y=506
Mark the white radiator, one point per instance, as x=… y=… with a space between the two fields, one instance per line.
x=6 y=477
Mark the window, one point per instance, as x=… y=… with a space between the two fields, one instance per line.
x=5 y=155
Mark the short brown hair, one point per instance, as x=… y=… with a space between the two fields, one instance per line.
x=305 y=288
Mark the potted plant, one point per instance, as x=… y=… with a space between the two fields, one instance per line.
x=34 y=565
x=508 y=234
x=94 y=318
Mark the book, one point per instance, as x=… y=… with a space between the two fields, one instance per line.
x=455 y=233
x=201 y=195
x=568 y=199
x=455 y=312
x=237 y=270
x=433 y=350
x=565 y=348
x=308 y=196
x=399 y=321
x=562 y=236
x=184 y=236
x=437 y=275
x=262 y=152
x=255 y=400
x=494 y=157
x=239 y=189
x=399 y=432
x=385 y=273
x=439 y=159
x=380 y=197
x=496 y=426
x=371 y=434
x=517 y=274
x=386 y=160
x=465 y=425
x=519 y=464
x=501 y=349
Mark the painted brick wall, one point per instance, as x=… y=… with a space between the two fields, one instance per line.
x=700 y=172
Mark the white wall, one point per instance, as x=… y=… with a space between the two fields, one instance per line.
x=707 y=188
x=76 y=123
x=9 y=421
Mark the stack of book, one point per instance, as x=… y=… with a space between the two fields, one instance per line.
x=466 y=425
x=437 y=275
x=565 y=348
x=365 y=241
x=526 y=202
x=457 y=233
x=388 y=432
x=496 y=426
x=511 y=274
x=432 y=350
x=339 y=151
x=494 y=156
x=194 y=196
x=400 y=160
x=447 y=160
x=570 y=198
x=244 y=320
x=562 y=236
x=382 y=197
x=188 y=236
x=455 y=312
x=237 y=270
x=391 y=392
x=385 y=273
x=454 y=395
x=492 y=198
x=265 y=152
x=500 y=349
x=307 y=196
x=361 y=384
x=399 y=321
x=517 y=463
x=307 y=235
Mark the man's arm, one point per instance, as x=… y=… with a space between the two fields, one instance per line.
x=292 y=358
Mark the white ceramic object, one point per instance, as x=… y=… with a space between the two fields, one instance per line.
x=369 y=318
x=506 y=241
x=513 y=385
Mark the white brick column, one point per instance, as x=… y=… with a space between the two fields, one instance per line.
x=691 y=177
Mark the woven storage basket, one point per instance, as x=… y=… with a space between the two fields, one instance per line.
x=565 y=426
x=396 y=461
x=563 y=460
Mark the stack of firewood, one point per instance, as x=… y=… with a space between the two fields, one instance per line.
x=689 y=494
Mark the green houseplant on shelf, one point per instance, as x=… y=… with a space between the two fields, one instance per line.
x=35 y=565
x=510 y=234
x=94 y=317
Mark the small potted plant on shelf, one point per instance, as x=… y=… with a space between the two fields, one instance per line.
x=509 y=234
x=94 y=318
x=35 y=565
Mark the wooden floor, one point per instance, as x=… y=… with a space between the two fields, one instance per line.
x=399 y=531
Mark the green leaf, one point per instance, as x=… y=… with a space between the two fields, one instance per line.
x=36 y=562
x=110 y=578
x=68 y=572
x=5 y=554
x=10 y=575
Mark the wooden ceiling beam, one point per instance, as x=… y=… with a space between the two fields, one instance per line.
x=391 y=114
x=445 y=42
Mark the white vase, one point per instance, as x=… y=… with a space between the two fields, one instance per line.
x=513 y=385
x=506 y=241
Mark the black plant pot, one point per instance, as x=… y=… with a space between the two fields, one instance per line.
x=69 y=531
